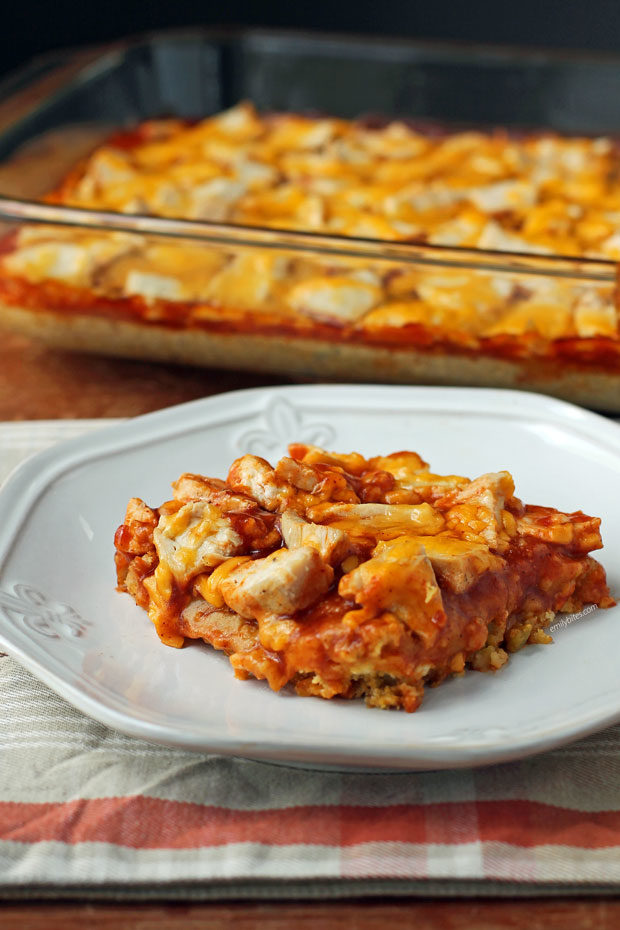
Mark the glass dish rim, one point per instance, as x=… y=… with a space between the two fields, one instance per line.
x=91 y=58
x=305 y=242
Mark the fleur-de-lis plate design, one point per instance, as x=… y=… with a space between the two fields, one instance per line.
x=283 y=424
x=31 y=608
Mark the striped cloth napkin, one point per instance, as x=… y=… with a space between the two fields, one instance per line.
x=86 y=811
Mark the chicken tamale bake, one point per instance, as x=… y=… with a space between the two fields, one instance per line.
x=311 y=310
x=352 y=577
x=540 y=193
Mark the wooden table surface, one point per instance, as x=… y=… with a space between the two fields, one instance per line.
x=38 y=383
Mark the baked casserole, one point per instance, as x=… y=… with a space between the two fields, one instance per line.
x=328 y=307
x=350 y=577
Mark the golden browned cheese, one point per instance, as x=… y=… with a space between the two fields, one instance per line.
x=300 y=579
x=542 y=194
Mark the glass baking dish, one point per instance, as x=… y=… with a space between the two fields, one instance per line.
x=50 y=120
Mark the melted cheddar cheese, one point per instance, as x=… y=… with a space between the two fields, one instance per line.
x=309 y=573
x=542 y=194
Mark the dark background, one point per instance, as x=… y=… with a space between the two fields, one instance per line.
x=28 y=28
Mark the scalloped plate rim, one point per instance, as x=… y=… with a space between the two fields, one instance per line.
x=52 y=463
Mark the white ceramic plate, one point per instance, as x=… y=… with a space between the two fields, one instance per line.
x=62 y=618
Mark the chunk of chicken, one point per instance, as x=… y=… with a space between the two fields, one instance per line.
x=457 y=562
x=254 y=525
x=403 y=465
x=254 y=476
x=491 y=489
x=135 y=556
x=246 y=281
x=475 y=511
x=238 y=637
x=73 y=262
x=414 y=481
x=353 y=463
x=195 y=537
x=398 y=579
x=338 y=298
x=284 y=582
x=196 y=487
x=323 y=482
x=577 y=532
x=221 y=627
x=131 y=572
x=303 y=477
x=333 y=544
x=379 y=521
x=152 y=286
x=430 y=487
x=135 y=535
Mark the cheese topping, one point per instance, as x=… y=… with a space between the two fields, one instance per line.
x=543 y=194
x=356 y=596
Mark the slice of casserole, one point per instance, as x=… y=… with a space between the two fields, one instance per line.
x=346 y=576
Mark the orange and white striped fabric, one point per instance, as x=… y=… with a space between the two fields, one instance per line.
x=86 y=810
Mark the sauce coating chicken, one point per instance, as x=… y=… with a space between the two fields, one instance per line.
x=346 y=576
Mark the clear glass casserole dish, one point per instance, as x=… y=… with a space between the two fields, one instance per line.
x=295 y=294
